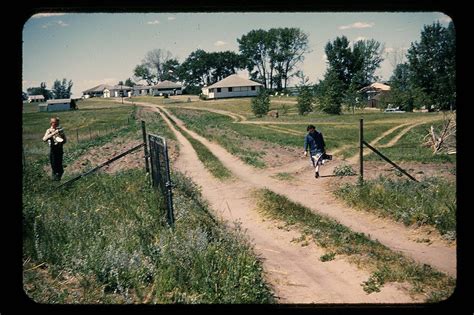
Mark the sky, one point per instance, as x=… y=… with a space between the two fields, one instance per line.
x=104 y=48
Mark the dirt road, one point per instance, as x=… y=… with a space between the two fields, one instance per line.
x=297 y=274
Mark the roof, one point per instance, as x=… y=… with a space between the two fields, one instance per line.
x=59 y=101
x=142 y=87
x=121 y=87
x=98 y=88
x=36 y=97
x=376 y=86
x=166 y=85
x=233 y=81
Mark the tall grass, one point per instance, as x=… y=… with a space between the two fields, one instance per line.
x=431 y=201
x=111 y=230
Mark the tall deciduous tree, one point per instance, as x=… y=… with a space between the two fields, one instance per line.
x=155 y=61
x=433 y=65
x=62 y=89
x=141 y=72
x=202 y=68
x=271 y=56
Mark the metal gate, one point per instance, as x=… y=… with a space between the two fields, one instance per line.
x=160 y=172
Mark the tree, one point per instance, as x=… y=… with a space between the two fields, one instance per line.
x=254 y=48
x=366 y=59
x=433 y=65
x=41 y=90
x=202 y=68
x=292 y=44
x=129 y=82
x=170 y=70
x=155 y=61
x=270 y=56
x=305 y=100
x=402 y=91
x=331 y=91
x=141 y=72
x=357 y=64
x=261 y=103
x=62 y=89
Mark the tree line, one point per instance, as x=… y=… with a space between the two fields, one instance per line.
x=271 y=57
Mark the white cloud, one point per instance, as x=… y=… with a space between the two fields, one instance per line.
x=57 y=23
x=220 y=43
x=171 y=18
x=389 y=50
x=324 y=58
x=360 y=38
x=155 y=22
x=43 y=15
x=356 y=25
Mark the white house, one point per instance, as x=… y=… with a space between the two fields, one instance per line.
x=232 y=86
x=102 y=90
x=167 y=87
x=35 y=98
x=55 y=105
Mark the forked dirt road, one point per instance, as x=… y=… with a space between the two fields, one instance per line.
x=296 y=273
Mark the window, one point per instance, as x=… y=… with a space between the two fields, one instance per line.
x=230 y=89
x=253 y=88
x=218 y=90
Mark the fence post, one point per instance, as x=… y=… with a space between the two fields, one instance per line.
x=77 y=135
x=147 y=167
x=361 y=151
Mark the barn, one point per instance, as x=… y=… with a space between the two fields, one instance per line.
x=232 y=86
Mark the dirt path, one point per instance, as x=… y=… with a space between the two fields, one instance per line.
x=295 y=271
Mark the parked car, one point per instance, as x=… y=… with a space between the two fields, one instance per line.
x=393 y=110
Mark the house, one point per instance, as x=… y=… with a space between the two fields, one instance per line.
x=55 y=105
x=102 y=90
x=375 y=93
x=121 y=91
x=105 y=90
x=140 y=90
x=232 y=86
x=166 y=87
x=35 y=98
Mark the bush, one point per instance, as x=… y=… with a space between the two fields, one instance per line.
x=305 y=100
x=261 y=103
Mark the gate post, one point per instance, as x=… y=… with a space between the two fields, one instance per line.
x=147 y=167
x=361 y=151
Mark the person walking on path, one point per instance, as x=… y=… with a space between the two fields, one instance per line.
x=56 y=138
x=314 y=143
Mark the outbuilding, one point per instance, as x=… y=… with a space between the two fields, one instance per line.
x=55 y=105
x=232 y=86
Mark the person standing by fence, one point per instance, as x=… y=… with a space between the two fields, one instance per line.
x=56 y=138
x=314 y=141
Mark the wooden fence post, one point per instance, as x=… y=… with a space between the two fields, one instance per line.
x=361 y=151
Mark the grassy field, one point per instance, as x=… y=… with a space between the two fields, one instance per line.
x=104 y=238
x=339 y=131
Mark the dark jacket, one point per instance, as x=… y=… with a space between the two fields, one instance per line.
x=315 y=142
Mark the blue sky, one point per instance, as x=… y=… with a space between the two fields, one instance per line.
x=97 y=48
